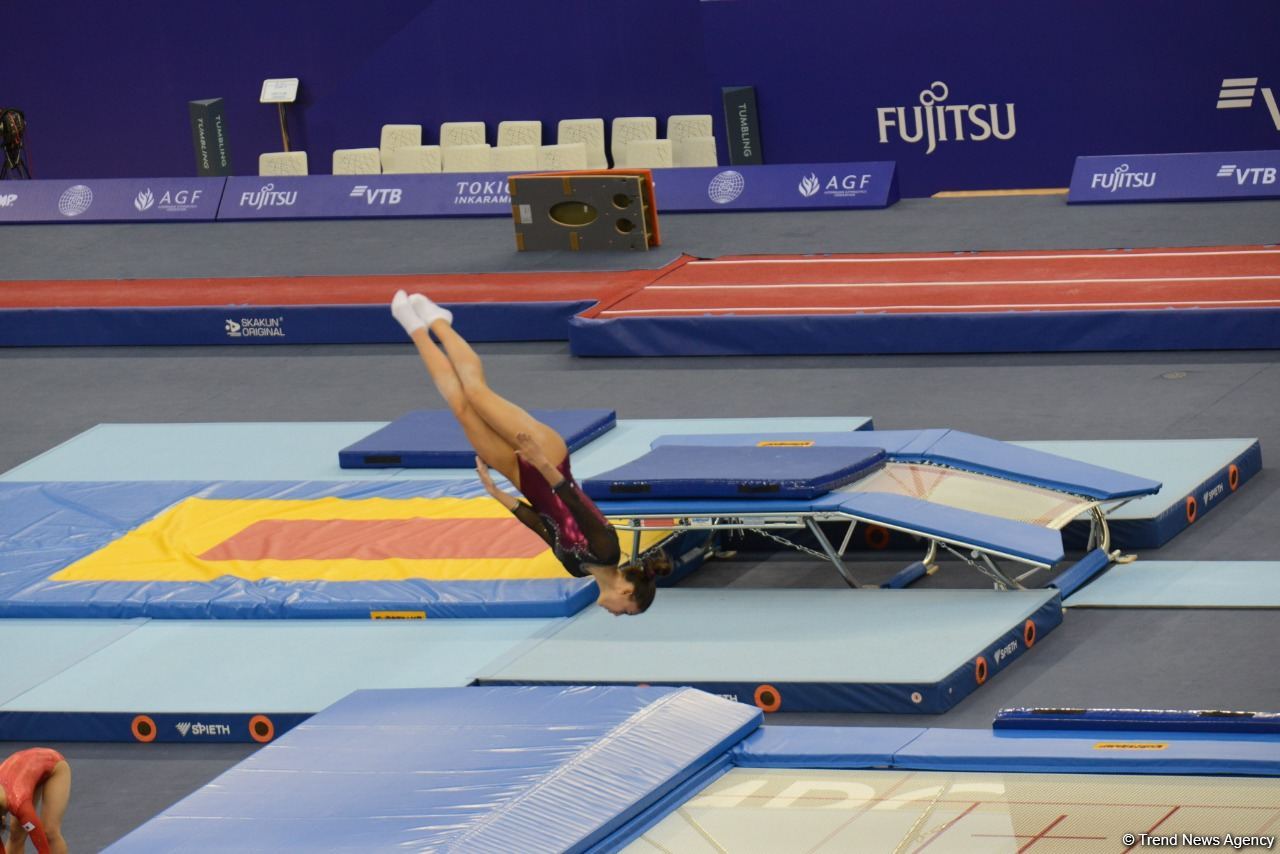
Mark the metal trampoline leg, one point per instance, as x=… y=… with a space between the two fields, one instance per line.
x=830 y=551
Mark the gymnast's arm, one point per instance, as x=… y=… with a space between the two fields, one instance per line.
x=26 y=821
x=522 y=511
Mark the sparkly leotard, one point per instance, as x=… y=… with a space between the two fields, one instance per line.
x=566 y=519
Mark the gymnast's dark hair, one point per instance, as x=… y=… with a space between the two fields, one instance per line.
x=643 y=576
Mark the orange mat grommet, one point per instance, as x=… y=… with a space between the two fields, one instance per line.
x=1233 y=476
x=1191 y=509
x=876 y=537
x=768 y=698
x=261 y=729
x=1029 y=633
x=144 y=728
x=980 y=669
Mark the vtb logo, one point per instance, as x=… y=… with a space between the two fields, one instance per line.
x=1237 y=93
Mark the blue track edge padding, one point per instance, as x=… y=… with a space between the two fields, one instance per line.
x=1080 y=573
x=176 y=727
x=674 y=471
x=853 y=334
x=1140 y=720
x=823 y=746
x=433 y=438
x=299 y=324
x=1101 y=752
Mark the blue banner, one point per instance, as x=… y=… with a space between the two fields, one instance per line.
x=111 y=200
x=802 y=186
x=1176 y=177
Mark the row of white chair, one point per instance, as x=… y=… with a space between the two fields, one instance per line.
x=462 y=148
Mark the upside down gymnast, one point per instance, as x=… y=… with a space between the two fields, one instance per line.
x=533 y=457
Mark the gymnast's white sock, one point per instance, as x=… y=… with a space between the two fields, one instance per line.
x=402 y=311
x=429 y=311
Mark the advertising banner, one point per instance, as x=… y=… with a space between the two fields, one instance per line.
x=111 y=200
x=1176 y=177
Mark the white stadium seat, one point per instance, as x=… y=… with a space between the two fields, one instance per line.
x=357 y=161
x=513 y=158
x=519 y=133
x=282 y=163
x=647 y=154
x=561 y=157
x=695 y=151
x=415 y=159
x=461 y=133
x=682 y=127
x=589 y=132
x=625 y=130
x=398 y=136
x=466 y=158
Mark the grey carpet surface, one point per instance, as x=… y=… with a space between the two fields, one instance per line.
x=1158 y=658
x=485 y=245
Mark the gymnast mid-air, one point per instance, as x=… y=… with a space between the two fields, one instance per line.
x=531 y=455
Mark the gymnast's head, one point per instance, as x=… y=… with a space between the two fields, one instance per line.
x=632 y=585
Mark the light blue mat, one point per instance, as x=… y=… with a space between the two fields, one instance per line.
x=811 y=636
x=43 y=650
x=1183 y=584
x=309 y=451
x=263 y=666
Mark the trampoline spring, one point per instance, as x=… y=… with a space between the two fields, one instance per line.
x=784 y=541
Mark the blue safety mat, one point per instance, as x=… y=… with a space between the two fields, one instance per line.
x=430 y=438
x=960 y=450
x=530 y=770
x=1184 y=584
x=45 y=527
x=800 y=650
x=673 y=471
x=823 y=746
x=1140 y=720
x=1115 y=752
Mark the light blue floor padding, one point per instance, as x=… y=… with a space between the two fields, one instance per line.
x=1184 y=584
x=839 y=650
x=260 y=666
x=42 y=653
x=309 y=450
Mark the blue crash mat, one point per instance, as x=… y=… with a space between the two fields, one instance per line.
x=673 y=471
x=472 y=769
x=429 y=438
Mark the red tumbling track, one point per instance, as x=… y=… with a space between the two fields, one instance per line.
x=978 y=282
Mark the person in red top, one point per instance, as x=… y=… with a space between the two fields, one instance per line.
x=27 y=778
x=533 y=457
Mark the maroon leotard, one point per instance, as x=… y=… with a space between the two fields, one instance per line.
x=566 y=519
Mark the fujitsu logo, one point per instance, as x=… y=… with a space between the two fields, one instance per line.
x=268 y=197
x=1121 y=178
x=1237 y=93
x=935 y=122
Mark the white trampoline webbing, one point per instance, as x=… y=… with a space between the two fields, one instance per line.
x=975 y=492
x=780 y=811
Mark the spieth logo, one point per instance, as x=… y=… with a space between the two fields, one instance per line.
x=1121 y=178
x=809 y=186
x=1237 y=94
x=268 y=197
x=496 y=192
x=1005 y=651
x=1211 y=494
x=375 y=196
x=1251 y=175
x=8 y=199
x=75 y=200
x=726 y=186
x=186 y=728
x=937 y=123
x=255 y=327
x=144 y=200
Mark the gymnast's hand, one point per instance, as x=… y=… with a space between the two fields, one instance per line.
x=486 y=479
